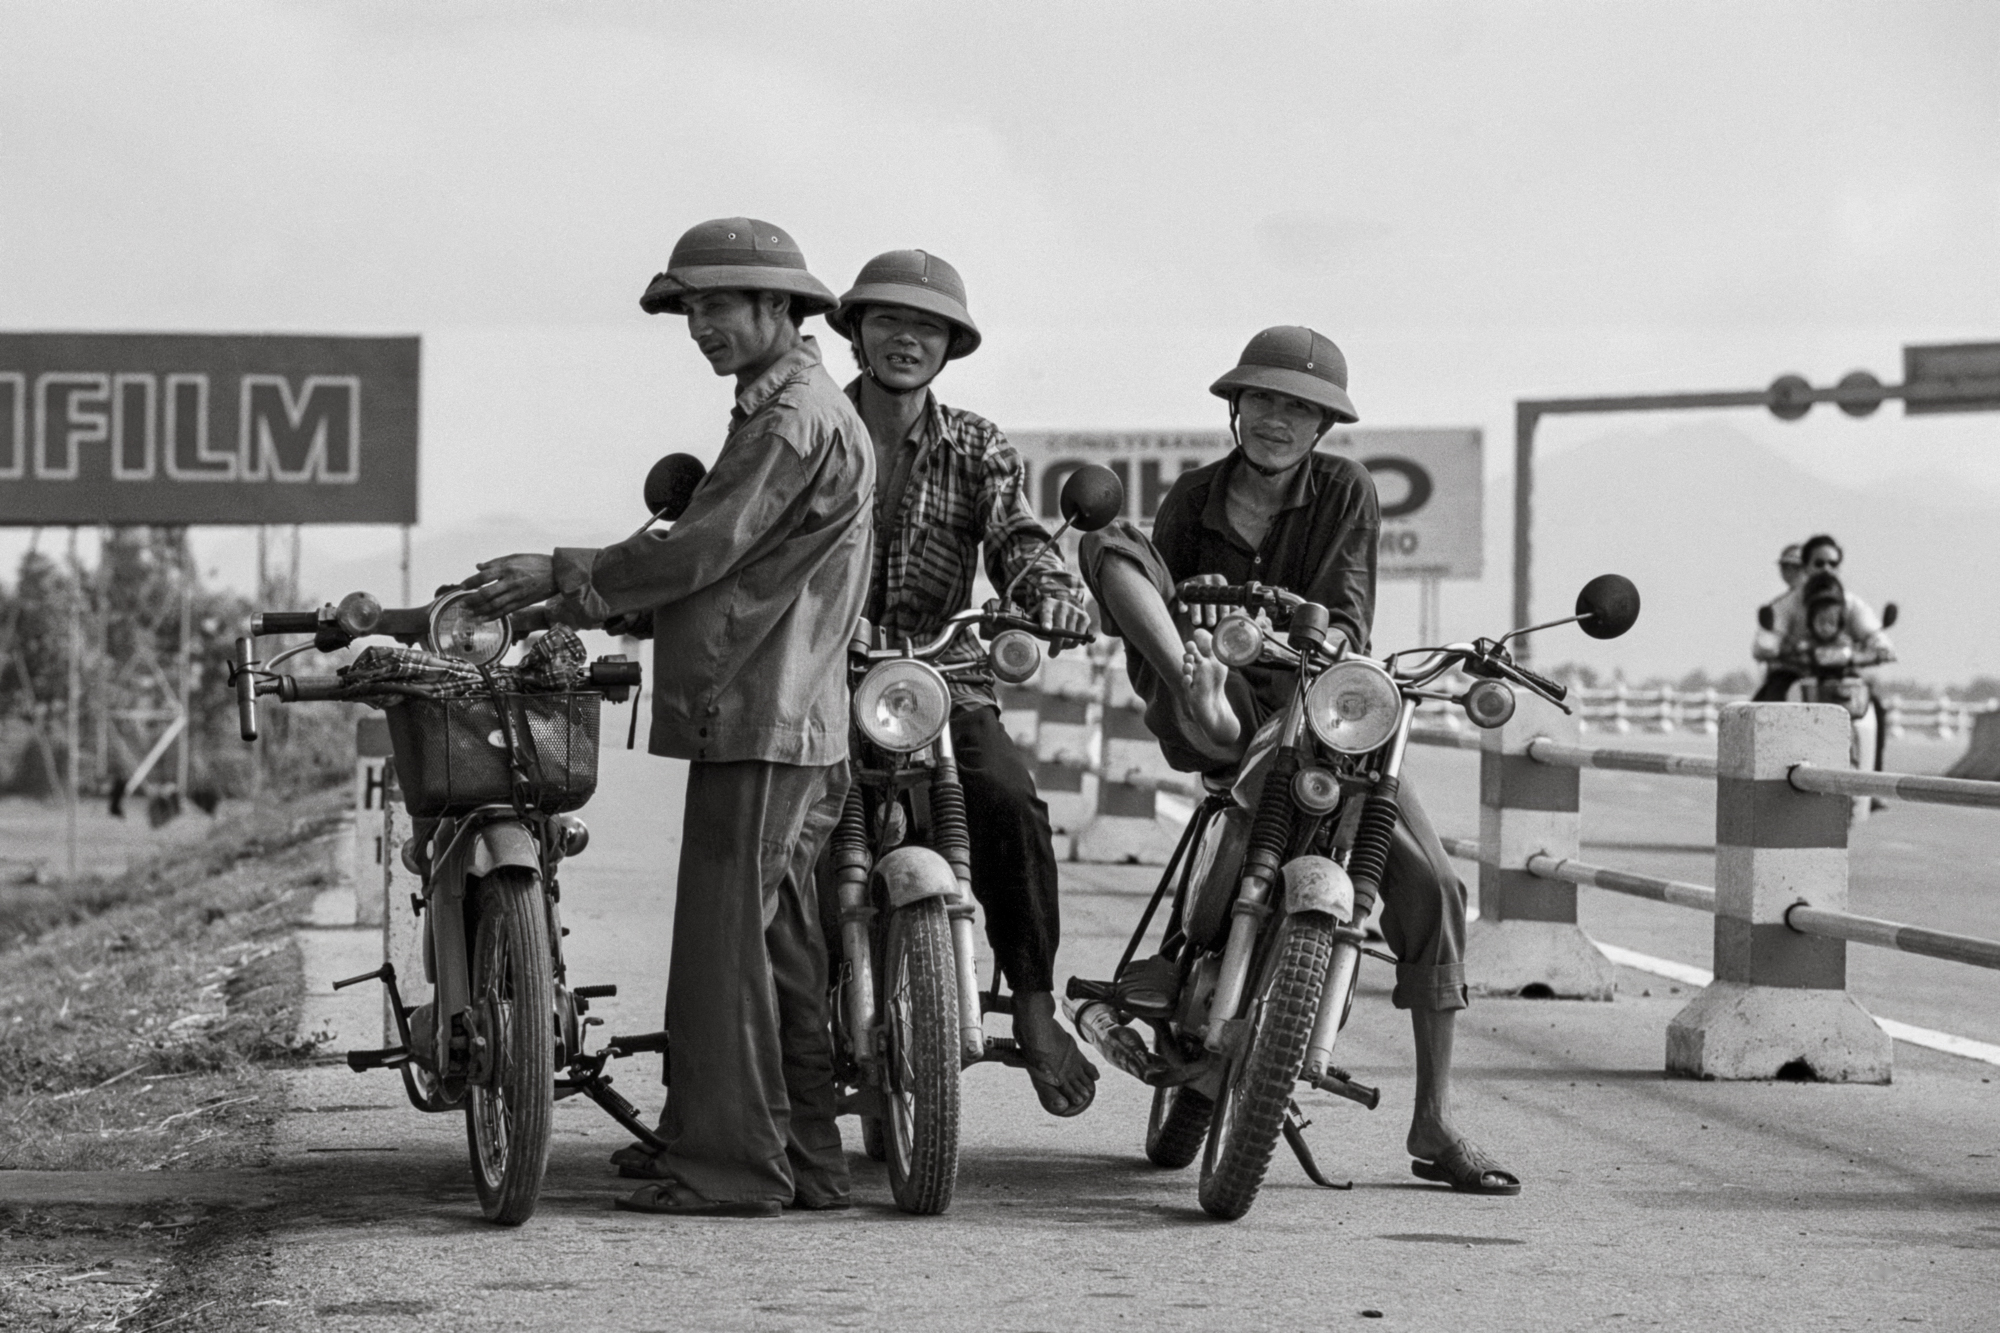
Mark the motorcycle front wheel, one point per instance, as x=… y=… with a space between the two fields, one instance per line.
x=507 y=1114
x=1251 y=1112
x=920 y=1012
x=1177 y=1127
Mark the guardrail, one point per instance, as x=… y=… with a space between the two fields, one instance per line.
x=1783 y=805
x=1625 y=708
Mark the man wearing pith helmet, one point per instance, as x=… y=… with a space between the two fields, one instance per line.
x=750 y=598
x=948 y=483
x=1278 y=510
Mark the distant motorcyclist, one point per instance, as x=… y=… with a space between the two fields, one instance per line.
x=1777 y=677
x=1790 y=639
x=950 y=483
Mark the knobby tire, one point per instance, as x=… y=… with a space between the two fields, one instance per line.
x=1178 y=1126
x=1251 y=1114
x=920 y=1008
x=507 y=1123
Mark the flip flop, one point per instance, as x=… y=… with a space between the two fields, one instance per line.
x=1048 y=1085
x=673 y=1199
x=1465 y=1168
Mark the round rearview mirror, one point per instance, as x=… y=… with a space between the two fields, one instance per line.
x=670 y=485
x=1092 y=497
x=1608 y=605
x=1766 y=617
x=1889 y=614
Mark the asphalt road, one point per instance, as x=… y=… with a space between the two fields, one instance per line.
x=1649 y=1202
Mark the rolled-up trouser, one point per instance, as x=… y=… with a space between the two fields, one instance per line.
x=1423 y=899
x=1013 y=854
x=751 y=1099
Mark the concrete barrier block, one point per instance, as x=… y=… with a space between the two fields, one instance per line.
x=1737 y=1031
x=1545 y=959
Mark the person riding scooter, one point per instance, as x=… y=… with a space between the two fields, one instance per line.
x=949 y=482
x=1778 y=678
x=1785 y=628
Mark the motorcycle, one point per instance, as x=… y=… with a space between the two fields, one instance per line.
x=1829 y=671
x=1272 y=879
x=907 y=1008
x=491 y=767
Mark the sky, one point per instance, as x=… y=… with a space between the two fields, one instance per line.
x=1478 y=202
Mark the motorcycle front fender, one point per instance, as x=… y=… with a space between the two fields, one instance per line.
x=1317 y=884
x=502 y=843
x=911 y=874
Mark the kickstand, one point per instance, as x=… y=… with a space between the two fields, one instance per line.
x=1295 y=1134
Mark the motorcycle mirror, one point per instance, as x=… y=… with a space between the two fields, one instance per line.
x=1607 y=606
x=1766 y=618
x=670 y=485
x=1889 y=613
x=1092 y=497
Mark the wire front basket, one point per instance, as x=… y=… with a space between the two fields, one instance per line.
x=451 y=754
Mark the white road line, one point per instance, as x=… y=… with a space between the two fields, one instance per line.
x=1916 y=1036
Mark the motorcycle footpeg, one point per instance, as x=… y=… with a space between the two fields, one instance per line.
x=389 y=1058
x=594 y=992
x=1005 y=1051
x=1081 y=990
x=1339 y=1084
x=641 y=1044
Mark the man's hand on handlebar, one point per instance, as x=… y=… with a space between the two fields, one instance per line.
x=1063 y=617
x=1204 y=616
x=510 y=583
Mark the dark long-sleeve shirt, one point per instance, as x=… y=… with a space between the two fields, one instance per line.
x=756 y=588
x=1321 y=545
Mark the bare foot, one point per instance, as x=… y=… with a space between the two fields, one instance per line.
x=1065 y=1081
x=1202 y=683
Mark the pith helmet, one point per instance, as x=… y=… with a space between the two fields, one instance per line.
x=1291 y=359
x=736 y=255
x=919 y=280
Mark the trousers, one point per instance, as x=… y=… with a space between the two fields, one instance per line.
x=751 y=1099
x=1013 y=853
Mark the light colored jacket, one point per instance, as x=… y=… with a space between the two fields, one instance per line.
x=755 y=589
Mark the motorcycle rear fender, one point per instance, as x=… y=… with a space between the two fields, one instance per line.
x=1317 y=884
x=912 y=874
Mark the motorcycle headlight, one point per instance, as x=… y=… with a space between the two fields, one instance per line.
x=456 y=632
x=1353 y=706
x=1238 y=641
x=901 y=705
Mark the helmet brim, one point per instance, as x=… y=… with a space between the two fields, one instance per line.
x=1292 y=383
x=965 y=338
x=663 y=295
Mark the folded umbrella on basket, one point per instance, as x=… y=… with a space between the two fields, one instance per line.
x=555 y=662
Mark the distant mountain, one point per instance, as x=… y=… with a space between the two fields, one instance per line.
x=1696 y=517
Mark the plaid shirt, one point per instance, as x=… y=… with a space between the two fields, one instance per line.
x=965 y=488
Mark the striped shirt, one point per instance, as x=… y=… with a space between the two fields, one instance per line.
x=965 y=489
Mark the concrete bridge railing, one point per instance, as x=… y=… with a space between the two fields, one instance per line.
x=1784 y=802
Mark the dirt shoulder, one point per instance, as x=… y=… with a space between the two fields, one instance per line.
x=144 y=1027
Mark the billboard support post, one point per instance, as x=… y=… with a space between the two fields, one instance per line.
x=73 y=682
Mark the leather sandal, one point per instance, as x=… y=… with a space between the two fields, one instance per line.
x=670 y=1198
x=1467 y=1170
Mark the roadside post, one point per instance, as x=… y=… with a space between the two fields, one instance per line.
x=1779 y=1000
x=1526 y=940
x=371 y=758
x=402 y=932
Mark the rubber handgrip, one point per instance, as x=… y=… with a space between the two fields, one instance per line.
x=311 y=689
x=1210 y=594
x=285 y=622
x=246 y=692
x=1542 y=683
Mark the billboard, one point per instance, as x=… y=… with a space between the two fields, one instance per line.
x=1430 y=482
x=200 y=428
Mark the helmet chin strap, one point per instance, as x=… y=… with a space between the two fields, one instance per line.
x=1257 y=467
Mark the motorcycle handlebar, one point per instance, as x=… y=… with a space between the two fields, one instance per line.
x=1060 y=638
x=1251 y=595
x=1542 y=683
x=310 y=689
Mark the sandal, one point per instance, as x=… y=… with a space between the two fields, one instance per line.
x=673 y=1199
x=1466 y=1169
x=1048 y=1084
